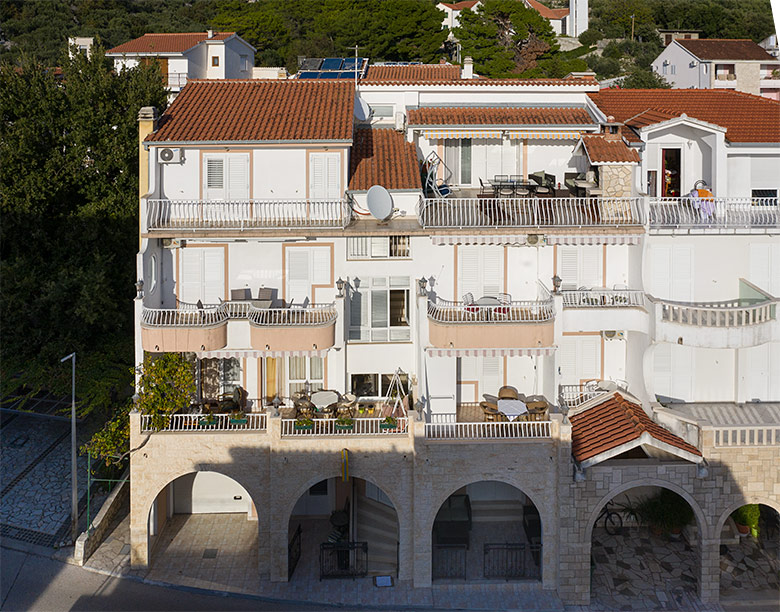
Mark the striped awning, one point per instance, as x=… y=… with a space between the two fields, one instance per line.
x=593 y=239
x=543 y=135
x=491 y=352
x=259 y=354
x=483 y=239
x=461 y=133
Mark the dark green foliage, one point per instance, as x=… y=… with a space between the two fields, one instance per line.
x=604 y=67
x=639 y=78
x=665 y=510
x=747 y=515
x=590 y=37
x=69 y=184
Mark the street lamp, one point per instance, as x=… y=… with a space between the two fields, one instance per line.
x=74 y=510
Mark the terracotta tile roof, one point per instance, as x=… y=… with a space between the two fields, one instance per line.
x=415 y=72
x=613 y=423
x=546 y=11
x=478 y=115
x=601 y=150
x=725 y=49
x=747 y=118
x=459 y=6
x=383 y=157
x=167 y=43
x=256 y=110
x=483 y=82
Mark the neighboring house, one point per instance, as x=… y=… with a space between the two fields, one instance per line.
x=667 y=36
x=81 y=43
x=536 y=234
x=770 y=45
x=571 y=21
x=189 y=55
x=452 y=13
x=720 y=64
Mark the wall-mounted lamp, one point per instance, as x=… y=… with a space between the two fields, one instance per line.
x=314 y=346
x=556 y=281
x=340 y=286
x=139 y=288
x=202 y=347
x=422 y=285
x=267 y=347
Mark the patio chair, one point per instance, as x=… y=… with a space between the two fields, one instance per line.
x=507 y=392
x=490 y=411
x=619 y=299
x=543 y=184
x=264 y=293
x=485 y=191
x=241 y=294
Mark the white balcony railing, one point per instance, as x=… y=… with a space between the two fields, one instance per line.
x=313 y=314
x=191 y=315
x=247 y=214
x=573 y=396
x=529 y=311
x=488 y=430
x=717 y=314
x=330 y=427
x=603 y=298
x=186 y=315
x=717 y=213
x=215 y=422
x=177 y=80
x=529 y=212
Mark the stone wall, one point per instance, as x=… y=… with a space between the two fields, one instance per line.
x=615 y=180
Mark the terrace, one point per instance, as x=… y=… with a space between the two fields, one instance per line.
x=730 y=215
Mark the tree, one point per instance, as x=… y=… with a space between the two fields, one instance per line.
x=506 y=39
x=644 y=79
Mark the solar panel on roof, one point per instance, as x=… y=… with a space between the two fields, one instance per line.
x=350 y=63
x=308 y=75
x=332 y=63
x=311 y=63
x=329 y=75
x=347 y=75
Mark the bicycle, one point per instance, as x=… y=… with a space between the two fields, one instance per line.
x=613 y=521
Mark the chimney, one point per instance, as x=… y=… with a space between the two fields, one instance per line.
x=209 y=33
x=611 y=129
x=147 y=123
x=468 y=69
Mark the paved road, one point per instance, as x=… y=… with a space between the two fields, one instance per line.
x=31 y=582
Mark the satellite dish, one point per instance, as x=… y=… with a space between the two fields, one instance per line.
x=379 y=202
x=362 y=110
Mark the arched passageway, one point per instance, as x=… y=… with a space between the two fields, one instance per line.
x=203 y=529
x=645 y=550
x=487 y=530
x=342 y=529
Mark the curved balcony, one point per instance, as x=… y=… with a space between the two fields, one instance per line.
x=600 y=308
x=188 y=328
x=297 y=328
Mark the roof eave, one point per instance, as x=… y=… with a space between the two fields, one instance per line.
x=193 y=143
x=505 y=126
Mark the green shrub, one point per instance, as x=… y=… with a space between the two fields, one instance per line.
x=590 y=37
x=747 y=515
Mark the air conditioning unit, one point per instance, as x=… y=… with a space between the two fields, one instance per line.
x=173 y=243
x=613 y=334
x=534 y=239
x=400 y=122
x=171 y=156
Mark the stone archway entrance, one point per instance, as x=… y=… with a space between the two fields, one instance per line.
x=487 y=530
x=636 y=565
x=203 y=531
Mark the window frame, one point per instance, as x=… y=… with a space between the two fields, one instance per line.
x=361 y=248
x=215 y=61
x=369 y=331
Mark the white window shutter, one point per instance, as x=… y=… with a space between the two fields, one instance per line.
x=491 y=378
x=468 y=369
x=773 y=365
x=358 y=246
x=468 y=272
x=190 y=281
x=379 y=309
x=662 y=266
x=682 y=372
x=589 y=357
x=317 y=176
x=758 y=372
x=334 y=176
x=213 y=275
x=325 y=176
x=492 y=270
x=298 y=277
x=567 y=361
x=380 y=246
x=590 y=271
x=682 y=274
x=238 y=176
x=320 y=265
x=215 y=178
x=569 y=265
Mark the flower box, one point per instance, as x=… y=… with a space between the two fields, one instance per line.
x=239 y=421
x=206 y=424
x=388 y=426
x=304 y=426
x=344 y=426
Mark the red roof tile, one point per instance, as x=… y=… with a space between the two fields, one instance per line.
x=601 y=150
x=614 y=422
x=477 y=115
x=725 y=49
x=546 y=11
x=256 y=110
x=415 y=72
x=483 y=82
x=383 y=157
x=167 y=43
x=459 y=6
x=747 y=118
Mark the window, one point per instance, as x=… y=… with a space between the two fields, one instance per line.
x=215 y=60
x=219 y=376
x=302 y=370
x=382 y=111
x=763 y=193
x=306 y=266
x=325 y=176
x=652 y=183
x=226 y=176
x=580 y=359
x=368 y=385
x=379 y=309
x=465 y=161
x=244 y=63
x=673 y=69
x=480 y=270
x=377 y=494
x=153 y=274
x=378 y=247
x=580 y=266
x=202 y=275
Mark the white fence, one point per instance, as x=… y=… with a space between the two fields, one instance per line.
x=191 y=315
x=600 y=298
x=313 y=314
x=214 y=422
x=758 y=435
x=717 y=314
x=488 y=430
x=186 y=315
x=247 y=214
x=530 y=311
x=529 y=212
x=716 y=213
x=331 y=427
x=573 y=396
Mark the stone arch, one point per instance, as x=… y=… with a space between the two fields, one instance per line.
x=749 y=499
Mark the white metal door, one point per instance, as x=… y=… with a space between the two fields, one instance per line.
x=202 y=275
x=325 y=176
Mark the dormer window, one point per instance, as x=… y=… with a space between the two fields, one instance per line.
x=215 y=60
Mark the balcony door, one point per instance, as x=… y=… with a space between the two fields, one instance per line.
x=201 y=275
x=672 y=273
x=480 y=271
x=671 y=175
x=325 y=176
x=580 y=359
x=477 y=376
x=226 y=176
x=306 y=267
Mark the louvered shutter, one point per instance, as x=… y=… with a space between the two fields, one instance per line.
x=494 y=156
x=491 y=378
x=662 y=369
x=662 y=285
x=773 y=366
x=359 y=311
x=358 y=246
x=682 y=274
x=492 y=270
x=760 y=257
x=325 y=176
x=379 y=310
x=238 y=176
x=215 y=178
x=468 y=272
x=758 y=371
x=298 y=279
x=333 y=191
x=589 y=357
x=451 y=158
x=213 y=275
x=567 y=361
x=380 y=246
x=190 y=281
x=590 y=269
x=317 y=176
x=569 y=266
x=320 y=266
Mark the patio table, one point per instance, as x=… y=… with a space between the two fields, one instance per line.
x=512 y=408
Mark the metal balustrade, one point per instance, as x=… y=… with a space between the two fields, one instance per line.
x=191 y=315
x=603 y=298
x=758 y=435
x=717 y=314
x=186 y=315
x=247 y=214
x=529 y=212
x=331 y=427
x=202 y=422
x=573 y=396
x=313 y=314
x=715 y=213
x=528 y=311
x=491 y=430
x=177 y=79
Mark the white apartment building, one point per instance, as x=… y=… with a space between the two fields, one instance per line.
x=643 y=257
x=709 y=63
x=188 y=55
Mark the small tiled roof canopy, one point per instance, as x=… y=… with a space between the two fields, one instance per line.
x=459 y=6
x=546 y=11
x=383 y=157
x=472 y=115
x=617 y=422
x=166 y=43
x=747 y=118
x=415 y=72
x=603 y=151
x=259 y=110
x=726 y=49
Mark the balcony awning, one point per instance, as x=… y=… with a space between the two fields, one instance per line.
x=479 y=239
x=258 y=354
x=543 y=135
x=492 y=352
x=465 y=133
x=593 y=239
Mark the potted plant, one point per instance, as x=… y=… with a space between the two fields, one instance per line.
x=302 y=423
x=389 y=423
x=664 y=512
x=746 y=518
x=344 y=423
x=208 y=421
x=238 y=417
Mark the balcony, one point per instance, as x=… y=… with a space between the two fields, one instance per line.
x=599 y=308
x=255 y=421
x=297 y=328
x=603 y=298
x=744 y=322
x=368 y=426
x=529 y=212
x=717 y=215
x=491 y=325
x=184 y=329
x=176 y=80
x=469 y=423
x=192 y=215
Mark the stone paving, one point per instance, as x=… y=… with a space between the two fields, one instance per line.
x=748 y=567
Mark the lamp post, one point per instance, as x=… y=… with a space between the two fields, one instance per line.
x=74 y=510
